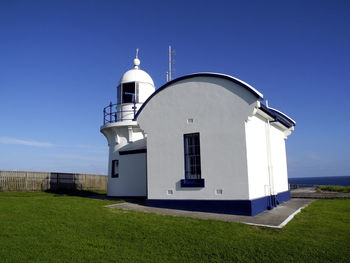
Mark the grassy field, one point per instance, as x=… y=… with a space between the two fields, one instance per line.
x=43 y=227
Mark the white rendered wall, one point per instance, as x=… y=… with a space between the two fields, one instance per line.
x=132 y=176
x=257 y=155
x=218 y=109
x=125 y=111
x=132 y=168
x=278 y=159
x=258 y=174
x=145 y=90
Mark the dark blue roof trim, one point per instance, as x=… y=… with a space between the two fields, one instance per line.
x=283 y=116
x=277 y=116
x=192 y=76
x=266 y=110
x=132 y=152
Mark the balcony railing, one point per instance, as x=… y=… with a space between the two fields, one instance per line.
x=112 y=114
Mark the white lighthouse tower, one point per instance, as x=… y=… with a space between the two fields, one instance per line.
x=126 y=141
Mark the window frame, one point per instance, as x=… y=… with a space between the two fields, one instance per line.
x=114 y=173
x=192 y=161
x=192 y=156
x=120 y=93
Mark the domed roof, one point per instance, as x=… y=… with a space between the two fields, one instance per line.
x=136 y=75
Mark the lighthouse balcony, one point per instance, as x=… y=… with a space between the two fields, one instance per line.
x=120 y=112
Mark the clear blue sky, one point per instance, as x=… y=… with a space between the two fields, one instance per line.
x=60 y=62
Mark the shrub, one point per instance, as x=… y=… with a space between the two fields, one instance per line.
x=334 y=188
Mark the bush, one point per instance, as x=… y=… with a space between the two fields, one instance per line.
x=334 y=188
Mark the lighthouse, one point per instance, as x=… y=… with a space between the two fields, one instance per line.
x=126 y=141
x=201 y=142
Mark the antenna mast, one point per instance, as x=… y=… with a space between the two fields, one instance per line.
x=171 y=62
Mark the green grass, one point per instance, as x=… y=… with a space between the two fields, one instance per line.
x=334 y=188
x=44 y=227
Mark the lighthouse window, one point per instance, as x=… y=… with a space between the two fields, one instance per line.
x=128 y=92
x=115 y=169
x=119 y=94
x=192 y=156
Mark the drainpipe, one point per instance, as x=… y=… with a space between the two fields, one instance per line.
x=272 y=196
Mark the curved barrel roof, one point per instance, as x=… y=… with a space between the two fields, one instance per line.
x=243 y=84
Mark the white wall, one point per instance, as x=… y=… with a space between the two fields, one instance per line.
x=132 y=176
x=258 y=174
x=219 y=109
x=257 y=155
x=279 y=160
x=132 y=168
x=145 y=90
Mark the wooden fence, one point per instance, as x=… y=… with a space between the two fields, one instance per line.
x=42 y=181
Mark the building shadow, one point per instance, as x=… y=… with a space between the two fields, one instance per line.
x=71 y=190
x=69 y=184
x=75 y=192
x=63 y=182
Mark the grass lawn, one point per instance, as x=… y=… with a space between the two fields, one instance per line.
x=43 y=227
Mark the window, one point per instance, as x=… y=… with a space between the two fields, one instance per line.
x=115 y=168
x=192 y=156
x=129 y=90
x=119 y=94
x=192 y=161
x=128 y=93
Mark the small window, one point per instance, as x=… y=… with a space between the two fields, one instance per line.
x=129 y=90
x=115 y=168
x=219 y=191
x=192 y=156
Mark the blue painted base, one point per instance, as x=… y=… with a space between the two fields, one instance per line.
x=234 y=207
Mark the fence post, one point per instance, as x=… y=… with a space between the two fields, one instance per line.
x=26 y=181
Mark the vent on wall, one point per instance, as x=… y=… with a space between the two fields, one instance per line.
x=190 y=120
x=169 y=192
x=219 y=191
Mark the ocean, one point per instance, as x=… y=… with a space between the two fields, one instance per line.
x=330 y=180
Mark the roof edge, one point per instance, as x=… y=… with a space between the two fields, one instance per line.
x=243 y=83
x=283 y=114
x=278 y=116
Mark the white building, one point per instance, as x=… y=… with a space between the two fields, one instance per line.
x=203 y=142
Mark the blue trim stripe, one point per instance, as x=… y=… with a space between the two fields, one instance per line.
x=237 y=207
x=283 y=197
x=234 y=207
